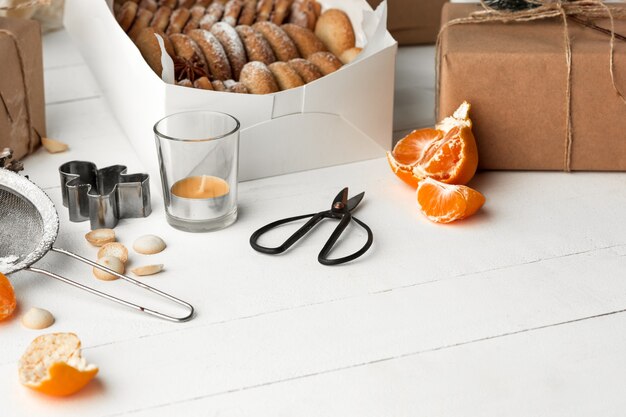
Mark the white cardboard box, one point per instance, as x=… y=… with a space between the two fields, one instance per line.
x=344 y=117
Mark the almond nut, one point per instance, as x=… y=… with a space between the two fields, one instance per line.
x=112 y=263
x=100 y=237
x=114 y=249
x=147 y=270
x=54 y=146
x=149 y=245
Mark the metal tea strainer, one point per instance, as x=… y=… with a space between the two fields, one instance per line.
x=29 y=224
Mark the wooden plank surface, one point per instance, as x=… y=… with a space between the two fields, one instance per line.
x=517 y=311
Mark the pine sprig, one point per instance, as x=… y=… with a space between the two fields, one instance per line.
x=510 y=5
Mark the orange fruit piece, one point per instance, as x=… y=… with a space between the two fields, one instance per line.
x=7 y=298
x=445 y=203
x=447 y=153
x=408 y=152
x=53 y=365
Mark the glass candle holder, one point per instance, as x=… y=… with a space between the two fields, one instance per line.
x=198 y=158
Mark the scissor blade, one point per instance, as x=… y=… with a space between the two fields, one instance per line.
x=342 y=197
x=354 y=201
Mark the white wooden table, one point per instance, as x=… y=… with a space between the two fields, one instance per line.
x=517 y=311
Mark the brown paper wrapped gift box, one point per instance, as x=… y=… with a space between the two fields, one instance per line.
x=413 y=22
x=22 y=117
x=515 y=76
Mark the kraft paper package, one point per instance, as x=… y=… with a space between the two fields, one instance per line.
x=413 y=22
x=22 y=107
x=515 y=76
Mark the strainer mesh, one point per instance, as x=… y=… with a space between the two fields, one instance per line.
x=21 y=227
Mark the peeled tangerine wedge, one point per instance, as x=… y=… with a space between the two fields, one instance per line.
x=445 y=203
x=52 y=365
x=447 y=153
x=7 y=298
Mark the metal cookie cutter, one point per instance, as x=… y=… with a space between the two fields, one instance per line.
x=103 y=195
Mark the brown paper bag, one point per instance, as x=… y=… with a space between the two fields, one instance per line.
x=413 y=22
x=47 y=12
x=22 y=114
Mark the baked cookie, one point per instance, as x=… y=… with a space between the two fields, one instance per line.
x=203 y=83
x=197 y=13
x=303 y=14
x=257 y=48
x=142 y=21
x=218 y=85
x=258 y=79
x=228 y=37
x=188 y=50
x=214 y=53
x=126 y=15
x=326 y=62
x=213 y=15
x=350 y=55
x=281 y=10
x=149 y=5
x=285 y=76
x=161 y=18
x=148 y=45
x=232 y=9
x=233 y=86
x=305 y=69
x=335 y=30
x=248 y=12
x=178 y=20
x=305 y=40
x=264 y=10
x=281 y=43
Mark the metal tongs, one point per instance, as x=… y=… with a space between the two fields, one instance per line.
x=341 y=209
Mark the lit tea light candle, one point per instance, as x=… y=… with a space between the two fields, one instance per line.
x=201 y=187
x=201 y=197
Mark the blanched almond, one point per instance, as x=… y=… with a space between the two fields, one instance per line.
x=100 y=237
x=110 y=262
x=37 y=319
x=114 y=249
x=149 y=245
x=54 y=146
x=147 y=270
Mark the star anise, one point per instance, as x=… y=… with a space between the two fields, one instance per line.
x=186 y=69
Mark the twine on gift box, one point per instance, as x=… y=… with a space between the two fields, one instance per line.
x=20 y=58
x=547 y=9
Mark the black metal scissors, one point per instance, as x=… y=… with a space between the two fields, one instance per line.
x=341 y=209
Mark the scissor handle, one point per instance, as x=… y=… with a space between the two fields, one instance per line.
x=315 y=219
x=345 y=221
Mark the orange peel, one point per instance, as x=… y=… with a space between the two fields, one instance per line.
x=53 y=365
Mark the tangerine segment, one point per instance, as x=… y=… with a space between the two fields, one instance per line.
x=53 y=365
x=402 y=171
x=7 y=298
x=447 y=153
x=408 y=152
x=445 y=203
x=452 y=159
